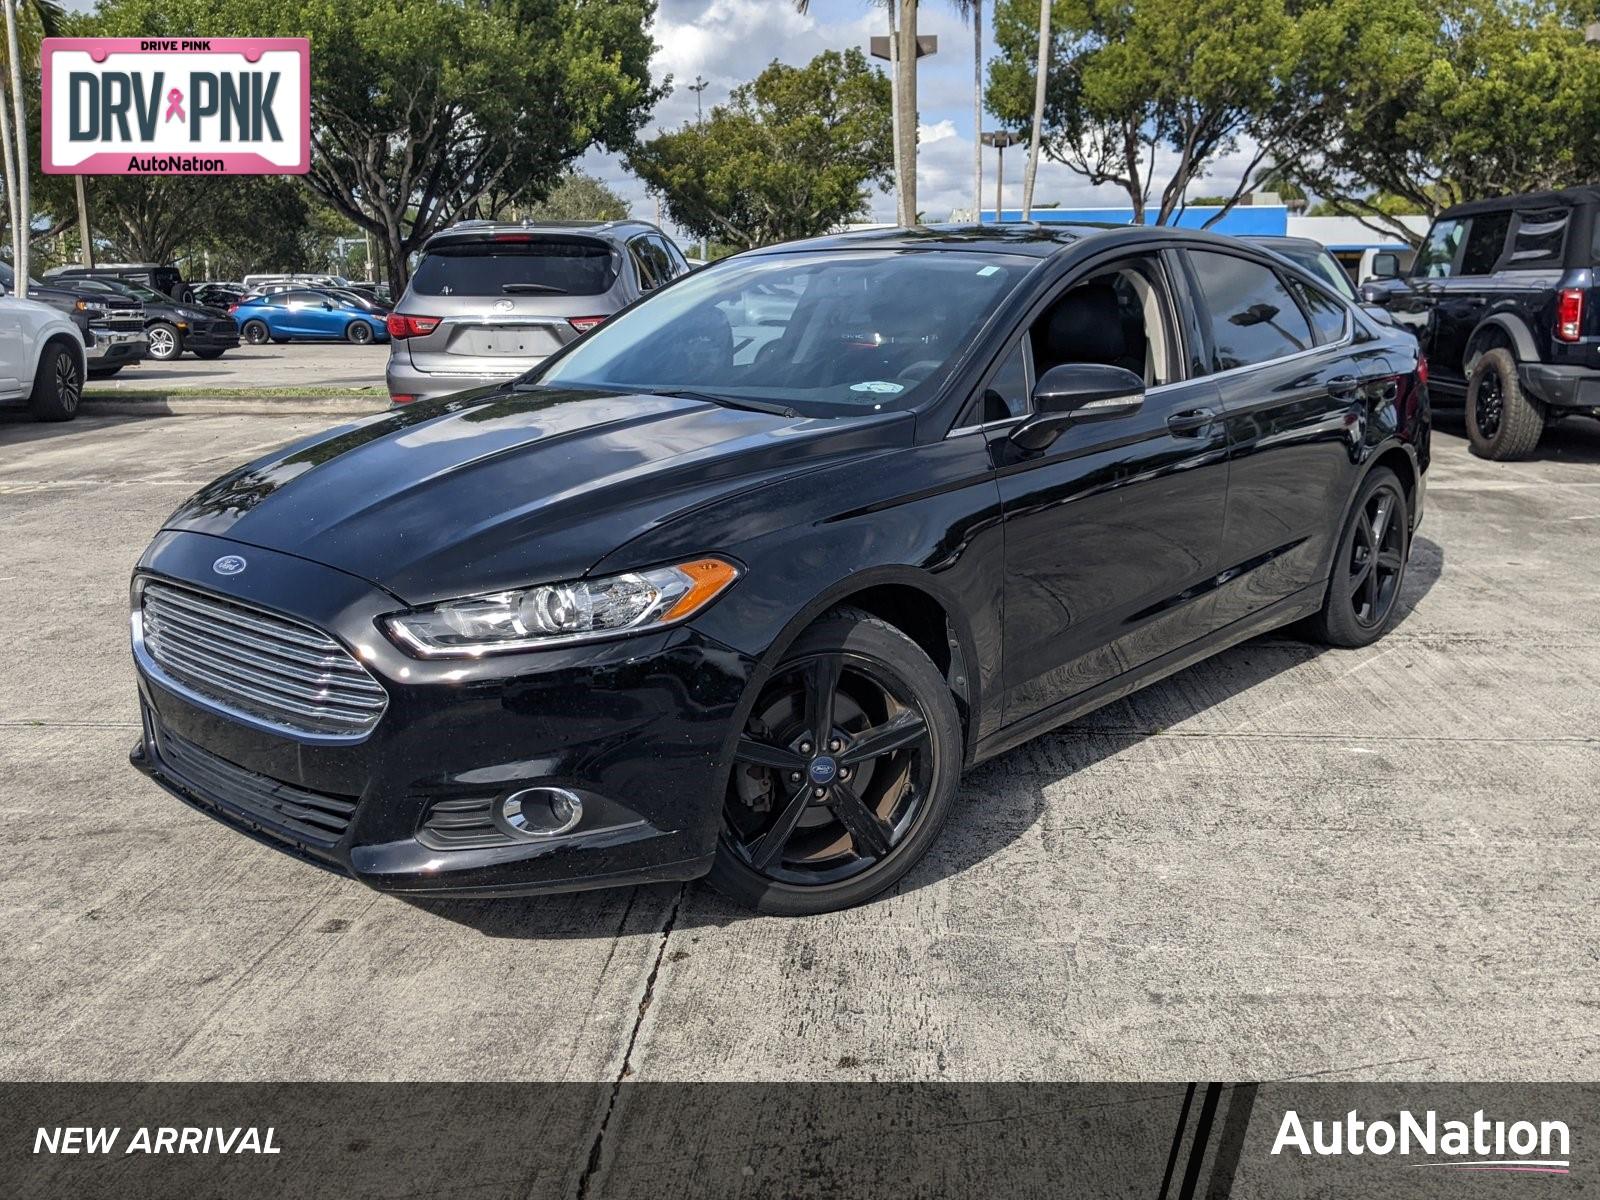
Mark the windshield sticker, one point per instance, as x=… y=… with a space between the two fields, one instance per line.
x=988 y=270
x=881 y=386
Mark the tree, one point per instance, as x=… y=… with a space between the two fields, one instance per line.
x=1438 y=101
x=1041 y=84
x=1188 y=81
x=420 y=110
x=790 y=155
x=579 y=197
x=27 y=22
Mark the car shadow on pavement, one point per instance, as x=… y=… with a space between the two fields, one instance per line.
x=999 y=802
x=1569 y=440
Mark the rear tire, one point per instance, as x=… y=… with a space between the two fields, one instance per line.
x=850 y=821
x=208 y=355
x=57 y=385
x=1503 y=421
x=1369 y=569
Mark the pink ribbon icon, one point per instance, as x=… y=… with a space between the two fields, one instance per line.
x=175 y=105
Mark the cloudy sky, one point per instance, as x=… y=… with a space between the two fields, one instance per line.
x=730 y=41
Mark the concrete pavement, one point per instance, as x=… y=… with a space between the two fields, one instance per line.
x=296 y=364
x=1284 y=862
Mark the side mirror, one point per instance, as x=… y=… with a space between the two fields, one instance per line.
x=1386 y=265
x=1076 y=394
x=1378 y=293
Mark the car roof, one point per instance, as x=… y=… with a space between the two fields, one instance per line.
x=1564 y=197
x=465 y=230
x=1033 y=239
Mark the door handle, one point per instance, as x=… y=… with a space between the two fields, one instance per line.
x=1191 y=421
x=1343 y=385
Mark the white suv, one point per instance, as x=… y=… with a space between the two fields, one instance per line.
x=41 y=358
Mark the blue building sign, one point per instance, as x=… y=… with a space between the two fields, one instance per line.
x=1243 y=220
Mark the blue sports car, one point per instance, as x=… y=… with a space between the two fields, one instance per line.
x=308 y=315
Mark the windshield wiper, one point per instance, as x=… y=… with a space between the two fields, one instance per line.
x=517 y=288
x=760 y=406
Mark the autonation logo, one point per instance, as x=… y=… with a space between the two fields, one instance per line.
x=1480 y=1144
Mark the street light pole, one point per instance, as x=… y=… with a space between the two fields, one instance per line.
x=698 y=87
x=999 y=139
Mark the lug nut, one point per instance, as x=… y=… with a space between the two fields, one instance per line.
x=819 y=793
x=805 y=747
x=794 y=776
x=835 y=744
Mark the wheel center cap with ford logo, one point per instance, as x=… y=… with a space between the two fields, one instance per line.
x=822 y=770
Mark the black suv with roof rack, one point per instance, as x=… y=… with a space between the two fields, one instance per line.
x=1503 y=298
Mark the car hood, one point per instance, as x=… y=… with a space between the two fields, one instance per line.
x=496 y=488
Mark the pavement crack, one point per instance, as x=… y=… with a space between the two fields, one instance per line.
x=597 y=1146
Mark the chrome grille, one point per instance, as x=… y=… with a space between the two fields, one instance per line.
x=258 y=665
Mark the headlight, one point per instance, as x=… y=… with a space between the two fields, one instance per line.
x=190 y=315
x=558 y=613
x=89 y=306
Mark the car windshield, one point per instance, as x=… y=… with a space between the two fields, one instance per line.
x=826 y=333
x=541 y=266
x=1323 y=265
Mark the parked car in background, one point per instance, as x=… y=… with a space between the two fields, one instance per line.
x=1313 y=256
x=488 y=301
x=706 y=595
x=218 y=294
x=42 y=358
x=359 y=298
x=1504 y=297
x=281 y=281
x=112 y=327
x=302 y=314
x=173 y=328
x=167 y=280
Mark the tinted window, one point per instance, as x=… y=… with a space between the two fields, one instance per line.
x=576 y=267
x=1323 y=265
x=1328 y=316
x=644 y=262
x=1008 y=393
x=828 y=333
x=1538 y=240
x=675 y=257
x=1437 y=258
x=1253 y=318
x=1486 y=237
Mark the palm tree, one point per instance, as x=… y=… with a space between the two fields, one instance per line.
x=1040 y=79
x=28 y=22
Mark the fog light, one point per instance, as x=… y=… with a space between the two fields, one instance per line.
x=539 y=812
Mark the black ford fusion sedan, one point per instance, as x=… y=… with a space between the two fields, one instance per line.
x=739 y=583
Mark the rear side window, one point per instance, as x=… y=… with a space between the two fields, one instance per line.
x=1328 y=317
x=1538 y=240
x=1486 y=238
x=654 y=264
x=547 y=267
x=1253 y=317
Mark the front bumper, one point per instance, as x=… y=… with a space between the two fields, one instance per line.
x=104 y=347
x=641 y=729
x=217 y=335
x=1561 y=387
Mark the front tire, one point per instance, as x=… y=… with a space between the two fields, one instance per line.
x=105 y=372
x=845 y=772
x=208 y=355
x=1369 y=570
x=57 y=385
x=255 y=333
x=1503 y=421
x=166 y=343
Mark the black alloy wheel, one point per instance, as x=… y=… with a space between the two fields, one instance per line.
x=359 y=333
x=1377 y=557
x=1370 y=566
x=58 y=386
x=1489 y=406
x=255 y=333
x=843 y=773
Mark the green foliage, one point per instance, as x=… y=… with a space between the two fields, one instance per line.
x=1428 y=102
x=790 y=155
x=422 y=109
x=1134 y=83
x=579 y=197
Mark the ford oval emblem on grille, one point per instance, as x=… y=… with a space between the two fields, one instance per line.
x=229 y=564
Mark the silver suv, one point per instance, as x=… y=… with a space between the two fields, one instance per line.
x=489 y=300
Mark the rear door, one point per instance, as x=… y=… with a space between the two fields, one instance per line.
x=1296 y=389
x=505 y=302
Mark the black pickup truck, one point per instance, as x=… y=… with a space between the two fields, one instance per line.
x=1505 y=300
x=112 y=327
